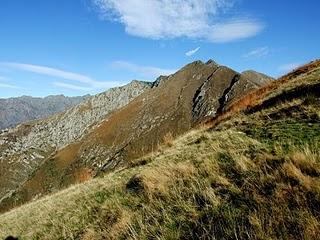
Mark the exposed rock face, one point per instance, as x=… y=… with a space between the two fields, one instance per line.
x=14 y=111
x=105 y=134
x=67 y=127
x=243 y=83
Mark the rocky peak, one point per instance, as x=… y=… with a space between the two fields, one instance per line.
x=211 y=62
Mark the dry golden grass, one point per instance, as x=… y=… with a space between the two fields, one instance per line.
x=191 y=190
x=168 y=139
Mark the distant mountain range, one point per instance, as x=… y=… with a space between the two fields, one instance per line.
x=14 y=111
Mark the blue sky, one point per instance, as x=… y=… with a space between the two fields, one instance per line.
x=76 y=47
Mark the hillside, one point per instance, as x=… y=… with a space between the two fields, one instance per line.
x=71 y=147
x=14 y=111
x=252 y=172
x=25 y=148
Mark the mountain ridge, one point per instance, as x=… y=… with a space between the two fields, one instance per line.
x=172 y=105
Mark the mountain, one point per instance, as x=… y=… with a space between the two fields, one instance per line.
x=248 y=171
x=26 y=147
x=108 y=131
x=14 y=111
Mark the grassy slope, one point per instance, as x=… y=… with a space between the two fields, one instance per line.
x=254 y=176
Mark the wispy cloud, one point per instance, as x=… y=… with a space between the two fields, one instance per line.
x=196 y=19
x=71 y=86
x=90 y=83
x=257 y=53
x=3 y=78
x=233 y=30
x=192 y=52
x=5 y=85
x=145 y=71
x=52 y=72
x=289 y=67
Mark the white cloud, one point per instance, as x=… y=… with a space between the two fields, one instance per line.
x=71 y=86
x=145 y=71
x=258 y=53
x=4 y=85
x=49 y=71
x=289 y=67
x=234 y=30
x=192 y=52
x=58 y=73
x=196 y=19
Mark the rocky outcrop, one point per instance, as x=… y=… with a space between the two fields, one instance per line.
x=70 y=126
x=245 y=82
x=109 y=131
x=14 y=111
